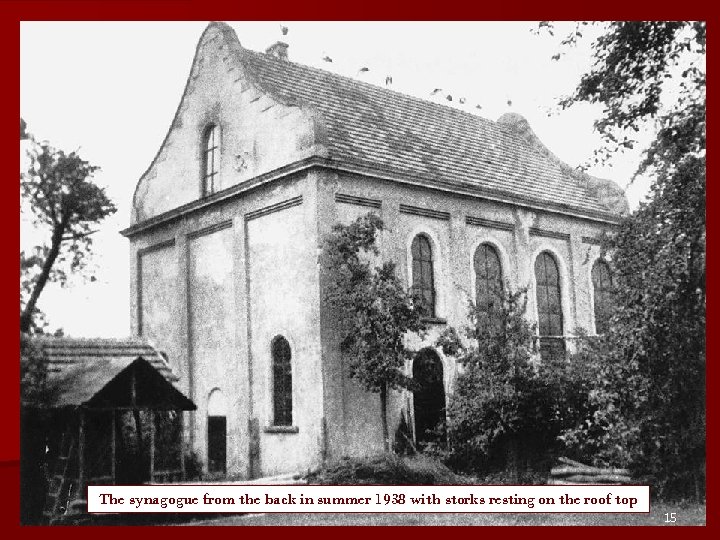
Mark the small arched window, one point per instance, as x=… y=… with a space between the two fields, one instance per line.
x=549 y=307
x=488 y=283
x=211 y=159
x=423 y=276
x=602 y=292
x=282 y=382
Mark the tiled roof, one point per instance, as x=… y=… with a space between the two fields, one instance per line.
x=382 y=129
x=64 y=351
x=79 y=368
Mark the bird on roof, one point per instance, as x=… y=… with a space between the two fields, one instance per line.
x=509 y=102
x=363 y=70
x=478 y=106
x=388 y=80
x=326 y=58
x=462 y=100
x=284 y=29
x=448 y=97
x=437 y=90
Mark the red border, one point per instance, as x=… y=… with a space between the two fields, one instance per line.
x=15 y=11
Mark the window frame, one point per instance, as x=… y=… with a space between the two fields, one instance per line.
x=552 y=345
x=282 y=387
x=210 y=155
x=605 y=292
x=426 y=266
x=493 y=248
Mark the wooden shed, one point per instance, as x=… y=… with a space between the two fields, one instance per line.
x=113 y=415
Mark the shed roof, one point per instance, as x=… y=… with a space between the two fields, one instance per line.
x=96 y=372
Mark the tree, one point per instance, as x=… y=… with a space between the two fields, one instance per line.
x=374 y=310
x=643 y=74
x=58 y=190
x=30 y=265
x=652 y=75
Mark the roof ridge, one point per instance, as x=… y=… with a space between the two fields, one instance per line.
x=375 y=87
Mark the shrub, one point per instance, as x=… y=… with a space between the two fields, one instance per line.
x=508 y=409
x=628 y=424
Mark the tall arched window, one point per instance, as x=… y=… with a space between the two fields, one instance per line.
x=282 y=382
x=549 y=307
x=488 y=283
x=211 y=158
x=422 y=275
x=602 y=291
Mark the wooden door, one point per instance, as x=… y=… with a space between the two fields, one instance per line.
x=429 y=399
x=217 y=444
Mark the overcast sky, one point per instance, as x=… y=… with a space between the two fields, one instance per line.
x=111 y=90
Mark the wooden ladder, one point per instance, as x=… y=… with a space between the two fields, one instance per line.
x=62 y=485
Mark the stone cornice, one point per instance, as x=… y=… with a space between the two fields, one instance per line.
x=306 y=164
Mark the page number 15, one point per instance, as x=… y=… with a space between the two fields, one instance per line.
x=670 y=517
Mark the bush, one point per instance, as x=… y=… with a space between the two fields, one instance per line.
x=508 y=409
x=606 y=434
x=627 y=423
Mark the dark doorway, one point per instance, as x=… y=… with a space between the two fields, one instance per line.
x=217 y=442
x=429 y=398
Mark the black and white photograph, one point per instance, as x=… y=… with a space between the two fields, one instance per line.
x=337 y=253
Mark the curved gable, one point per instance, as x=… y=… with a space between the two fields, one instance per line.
x=258 y=132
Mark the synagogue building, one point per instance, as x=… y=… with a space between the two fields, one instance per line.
x=262 y=158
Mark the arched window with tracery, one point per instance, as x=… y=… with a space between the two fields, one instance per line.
x=423 y=275
x=210 y=159
x=282 y=382
x=488 y=284
x=549 y=307
x=602 y=295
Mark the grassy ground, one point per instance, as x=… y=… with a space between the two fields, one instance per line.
x=415 y=470
x=685 y=515
x=693 y=514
